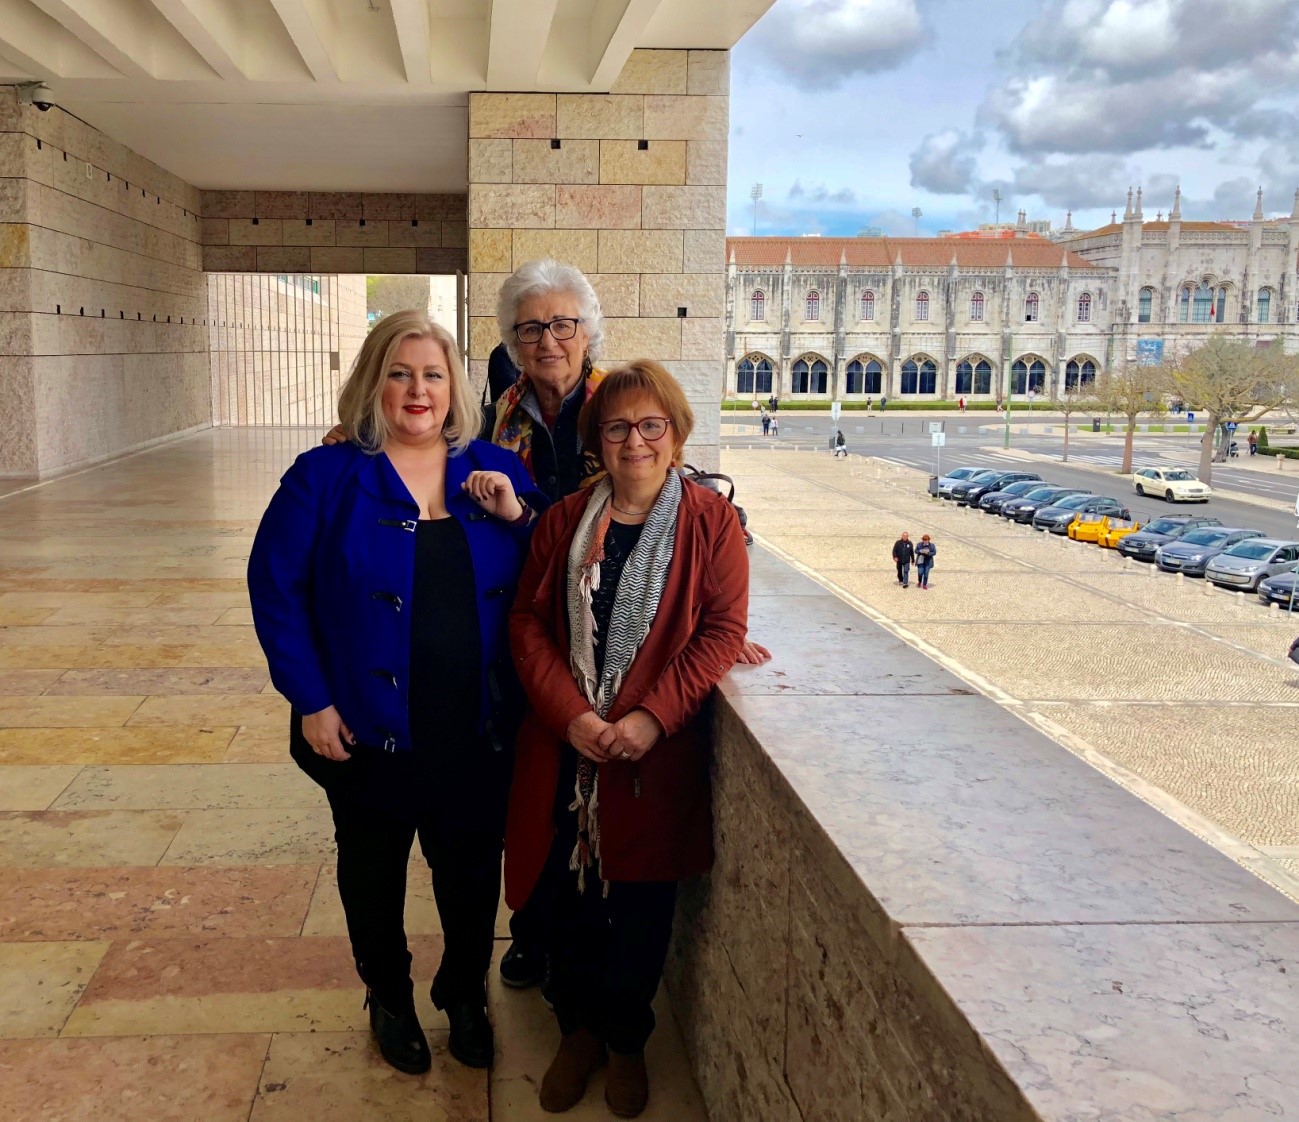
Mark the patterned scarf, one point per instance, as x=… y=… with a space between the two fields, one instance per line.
x=634 y=606
x=512 y=428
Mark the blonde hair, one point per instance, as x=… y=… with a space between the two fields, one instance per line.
x=360 y=409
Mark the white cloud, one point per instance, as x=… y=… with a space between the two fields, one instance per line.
x=820 y=43
x=945 y=162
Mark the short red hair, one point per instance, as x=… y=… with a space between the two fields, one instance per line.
x=641 y=378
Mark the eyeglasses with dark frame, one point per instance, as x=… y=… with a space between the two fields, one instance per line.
x=650 y=428
x=560 y=328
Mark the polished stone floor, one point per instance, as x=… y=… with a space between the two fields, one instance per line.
x=171 y=943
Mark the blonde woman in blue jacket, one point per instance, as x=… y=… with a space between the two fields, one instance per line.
x=380 y=579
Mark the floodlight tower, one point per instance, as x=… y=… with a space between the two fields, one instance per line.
x=755 y=193
x=916 y=213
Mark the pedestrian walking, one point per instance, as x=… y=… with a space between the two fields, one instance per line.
x=884 y=403
x=1253 y=442
x=904 y=555
x=840 y=445
x=961 y=405
x=766 y=422
x=870 y=406
x=775 y=404
x=926 y=551
x=771 y=403
x=775 y=425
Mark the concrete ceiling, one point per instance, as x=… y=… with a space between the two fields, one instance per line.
x=342 y=95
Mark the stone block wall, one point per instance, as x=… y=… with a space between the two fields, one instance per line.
x=628 y=186
x=332 y=232
x=102 y=348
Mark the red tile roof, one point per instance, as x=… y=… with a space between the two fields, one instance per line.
x=1157 y=227
x=880 y=253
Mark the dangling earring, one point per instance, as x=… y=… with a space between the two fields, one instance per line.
x=588 y=368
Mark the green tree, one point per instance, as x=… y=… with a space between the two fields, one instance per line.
x=1130 y=390
x=1079 y=399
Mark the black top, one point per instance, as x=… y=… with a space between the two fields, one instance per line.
x=904 y=552
x=557 y=452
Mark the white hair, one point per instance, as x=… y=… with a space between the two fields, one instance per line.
x=538 y=278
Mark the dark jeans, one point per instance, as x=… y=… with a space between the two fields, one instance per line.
x=904 y=571
x=373 y=850
x=607 y=952
x=922 y=574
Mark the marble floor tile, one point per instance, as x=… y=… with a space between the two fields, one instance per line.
x=192 y=787
x=164 y=615
x=340 y=1077
x=27 y=682
x=41 y=982
x=67 y=655
x=159 y=682
x=238 y=651
x=149 y=744
x=44 y=597
x=169 y=986
x=128 y=1079
x=215 y=598
x=44 y=839
x=254 y=837
x=37 y=904
x=241 y=616
x=23 y=615
x=66 y=712
x=258 y=744
x=34 y=786
x=215 y=709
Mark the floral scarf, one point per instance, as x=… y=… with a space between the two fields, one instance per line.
x=512 y=428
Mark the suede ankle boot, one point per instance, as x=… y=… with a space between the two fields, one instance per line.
x=564 y=1083
x=626 y=1084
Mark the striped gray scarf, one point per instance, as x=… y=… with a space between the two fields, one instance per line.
x=635 y=604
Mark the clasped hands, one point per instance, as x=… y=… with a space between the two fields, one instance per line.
x=493 y=491
x=625 y=740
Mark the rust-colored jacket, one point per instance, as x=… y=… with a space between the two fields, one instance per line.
x=665 y=831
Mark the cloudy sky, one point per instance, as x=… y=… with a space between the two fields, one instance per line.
x=852 y=112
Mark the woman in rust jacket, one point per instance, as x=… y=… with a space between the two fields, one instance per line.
x=632 y=606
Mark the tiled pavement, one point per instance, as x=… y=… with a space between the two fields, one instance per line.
x=1178 y=691
x=171 y=943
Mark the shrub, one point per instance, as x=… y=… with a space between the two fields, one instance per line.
x=1262 y=436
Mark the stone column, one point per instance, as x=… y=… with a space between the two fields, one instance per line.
x=628 y=186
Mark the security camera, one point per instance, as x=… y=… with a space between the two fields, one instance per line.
x=39 y=95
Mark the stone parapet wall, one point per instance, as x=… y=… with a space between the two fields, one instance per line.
x=923 y=909
x=628 y=186
x=102 y=347
x=332 y=232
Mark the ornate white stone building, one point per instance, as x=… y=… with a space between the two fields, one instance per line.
x=942 y=318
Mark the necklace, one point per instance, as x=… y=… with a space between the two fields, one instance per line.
x=629 y=513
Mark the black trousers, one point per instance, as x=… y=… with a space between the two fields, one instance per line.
x=607 y=952
x=373 y=851
x=528 y=925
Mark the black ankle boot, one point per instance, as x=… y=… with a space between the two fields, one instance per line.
x=400 y=1038
x=470 y=1040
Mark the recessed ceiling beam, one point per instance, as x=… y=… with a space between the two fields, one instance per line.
x=306 y=38
x=181 y=15
x=410 y=17
x=518 y=32
x=616 y=28
x=97 y=40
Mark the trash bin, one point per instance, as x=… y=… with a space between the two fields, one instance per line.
x=1096 y=424
x=933 y=485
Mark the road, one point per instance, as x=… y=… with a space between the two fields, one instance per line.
x=906 y=440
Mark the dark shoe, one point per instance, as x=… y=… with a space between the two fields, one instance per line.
x=626 y=1084
x=564 y=1083
x=470 y=1040
x=400 y=1038
x=522 y=967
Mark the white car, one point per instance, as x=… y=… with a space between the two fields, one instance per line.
x=1177 y=485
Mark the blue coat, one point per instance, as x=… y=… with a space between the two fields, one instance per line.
x=331 y=578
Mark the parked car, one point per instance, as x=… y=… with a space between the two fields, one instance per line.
x=958 y=475
x=1141 y=546
x=1055 y=519
x=1022 y=510
x=1191 y=552
x=1283 y=590
x=973 y=489
x=1087 y=527
x=1116 y=531
x=1247 y=563
x=991 y=502
x=1176 y=485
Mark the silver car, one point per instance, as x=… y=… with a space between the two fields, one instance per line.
x=1246 y=563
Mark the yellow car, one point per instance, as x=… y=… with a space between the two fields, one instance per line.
x=1119 y=529
x=1088 y=527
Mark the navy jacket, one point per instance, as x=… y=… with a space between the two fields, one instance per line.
x=332 y=573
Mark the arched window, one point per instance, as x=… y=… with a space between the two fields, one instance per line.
x=983 y=376
x=868 y=306
x=811 y=375
x=758 y=305
x=919 y=376
x=1079 y=375
x=1145 y=305
x=753 y=375
x=964 y=377
x=976 y=307
x=922 y=305
x=1264 y=305
x=865 y=375
x=1202 y=304
x=1085 y=308
x=813 y=305
x=1220 y=312
x=1027 y=375
x=1184 y=305
x=973 y=376
x=1032 y=308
